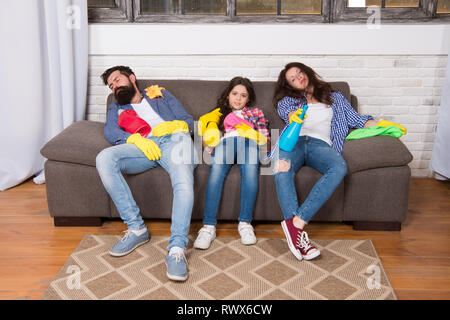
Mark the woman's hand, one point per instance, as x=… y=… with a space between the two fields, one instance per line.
x=370 y=123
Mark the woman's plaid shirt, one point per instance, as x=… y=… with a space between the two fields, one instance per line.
x=344 y=117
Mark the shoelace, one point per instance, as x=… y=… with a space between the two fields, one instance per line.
x=125 y=237
x=303 y=241
x=178 y=256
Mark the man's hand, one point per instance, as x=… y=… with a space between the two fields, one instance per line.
x=147 y=146
x=248 y=132
x=213 y=116
x=170 y=127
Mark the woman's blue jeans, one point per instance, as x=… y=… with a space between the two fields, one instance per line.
x=313 y=153
x=229 y=151
x=178 y=161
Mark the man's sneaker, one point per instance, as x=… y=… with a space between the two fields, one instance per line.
x=176 y=264
x=298 y=241
x=247 y=233
x=205 y=236
x=130 y=241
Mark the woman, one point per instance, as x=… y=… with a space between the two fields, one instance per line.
x=329 y=117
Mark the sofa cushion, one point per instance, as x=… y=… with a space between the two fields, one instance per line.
x=78 y=143
x=375 y=152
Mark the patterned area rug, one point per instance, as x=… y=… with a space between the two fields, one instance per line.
x=347 y=269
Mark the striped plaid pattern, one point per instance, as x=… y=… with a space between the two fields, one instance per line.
x=259 y=120
x=344 y=117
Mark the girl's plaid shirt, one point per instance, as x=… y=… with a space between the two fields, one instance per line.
x=259 y=120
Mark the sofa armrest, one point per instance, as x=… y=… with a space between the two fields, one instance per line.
x=78 y=143
x=375 y=152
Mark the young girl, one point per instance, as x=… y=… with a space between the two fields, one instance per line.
x=329 y=117
x=244 y=128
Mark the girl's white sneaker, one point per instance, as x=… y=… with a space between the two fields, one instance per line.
x=247 y=233
x=205 y=236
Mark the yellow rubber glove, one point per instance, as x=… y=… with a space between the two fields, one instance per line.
x=212 y=135
x=385 y=123
x=170 y=127
x=248 y=132
x=204 y=120
x=147 y=146
x=295 y=116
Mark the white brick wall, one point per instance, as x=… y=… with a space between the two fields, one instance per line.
x=403 y=88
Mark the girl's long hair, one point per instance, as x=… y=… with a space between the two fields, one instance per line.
x=322 y=89
x=223 y=103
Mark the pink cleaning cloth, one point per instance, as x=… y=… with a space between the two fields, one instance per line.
x=231 y=120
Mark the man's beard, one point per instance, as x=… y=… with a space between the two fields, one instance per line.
x=124 y=94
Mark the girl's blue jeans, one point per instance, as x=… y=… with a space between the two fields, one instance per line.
x=229 y=151
x=313 y=153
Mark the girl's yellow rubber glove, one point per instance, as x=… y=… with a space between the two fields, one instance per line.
x=170 y=127
x=248 y=132
x=211 y=135
x=204 y=120
x=385 y=123
x=147 y=146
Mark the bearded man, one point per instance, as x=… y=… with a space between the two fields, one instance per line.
x=134 y=153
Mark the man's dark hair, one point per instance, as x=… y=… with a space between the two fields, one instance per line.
x=122 y=69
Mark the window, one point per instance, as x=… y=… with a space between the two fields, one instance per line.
x=443 y=7
x=381 y=10
x=238 y=11
x=109 y=11
x=268 y=11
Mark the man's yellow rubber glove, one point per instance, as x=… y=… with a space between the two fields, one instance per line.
x=170 y=127
x=248 y=132
x=212 y=135
x=295 y=116
x=385 y=123
x=204 y=120
x=147 y=146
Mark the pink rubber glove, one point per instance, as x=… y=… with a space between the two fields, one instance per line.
x=231 y=120
x=130 y=122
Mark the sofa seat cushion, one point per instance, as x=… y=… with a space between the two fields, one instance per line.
x=375 y=152
x=78 y=143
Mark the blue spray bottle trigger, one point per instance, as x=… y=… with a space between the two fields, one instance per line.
x=290 y=136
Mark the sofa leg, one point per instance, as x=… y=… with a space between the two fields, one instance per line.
x=77 y=221
x=377 y=226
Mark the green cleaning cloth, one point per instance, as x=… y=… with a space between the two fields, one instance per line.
x=374 y=131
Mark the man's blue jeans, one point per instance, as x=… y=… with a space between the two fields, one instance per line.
x=229 y=151
x=313 y=153
x=177 y=159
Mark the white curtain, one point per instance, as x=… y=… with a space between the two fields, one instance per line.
x=440 y=158
x=43 y=79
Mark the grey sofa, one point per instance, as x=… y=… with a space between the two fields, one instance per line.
x=373 y=195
